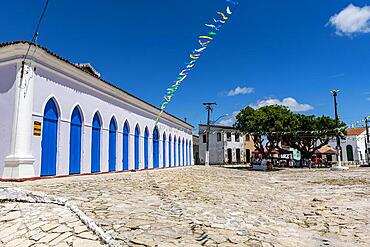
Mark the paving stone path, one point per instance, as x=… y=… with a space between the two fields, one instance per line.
x=202 y=206
x=31 y=224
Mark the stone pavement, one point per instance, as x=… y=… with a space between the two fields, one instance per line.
x=26 y=224
x=221 y=206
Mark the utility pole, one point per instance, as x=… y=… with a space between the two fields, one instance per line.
x=339 y=149
x=367 y=140
x=209 y=107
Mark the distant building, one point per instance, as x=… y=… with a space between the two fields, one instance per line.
x=353 y=147
x=196 y=149
x=225 y=145
x=249 y=148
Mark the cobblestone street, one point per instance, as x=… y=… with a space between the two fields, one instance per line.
x=198 y=206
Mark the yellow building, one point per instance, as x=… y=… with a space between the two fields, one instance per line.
x=249 y=148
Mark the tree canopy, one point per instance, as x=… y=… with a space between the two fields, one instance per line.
x=272 y=125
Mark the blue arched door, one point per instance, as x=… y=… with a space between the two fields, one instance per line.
x=179 y=151
x=164 y=150
x=169 y=151
x=112 y=145
x=186 y=153
x=146 y=148
x=49 y=139
x=137 y=148
x=155 y=148
x=75 y=142
x=183 y=152
x=95 y=144
x=126 y=133
x=174 y=152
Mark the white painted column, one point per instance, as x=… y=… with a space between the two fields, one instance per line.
x=160 y=150
x=131 y=150
x=104 y=149
x=141 y=153
x=119 y=164
x=19 y=163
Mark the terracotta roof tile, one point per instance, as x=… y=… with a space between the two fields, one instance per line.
x=355 y=131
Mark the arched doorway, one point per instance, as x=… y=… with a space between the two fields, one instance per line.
x=125 y=143
x=248 y=156
x=183 y=152
x=137 y=147
x=112 y=145
x=349 y=150
x=174 y=151
x=49 y=139
x=155 y=148
x=75 y=142
x=164 y=150
x=146 y=148
x=179 y=152
x=95 y=144
x=169 y=151
x=187 y=152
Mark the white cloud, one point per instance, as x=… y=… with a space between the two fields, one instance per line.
x=290 y=102
x=230 y=120
x=351 y=20
x=240 y=90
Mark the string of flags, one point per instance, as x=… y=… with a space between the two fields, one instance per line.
x=204 y=41
x=360 y=123
x=333 y=131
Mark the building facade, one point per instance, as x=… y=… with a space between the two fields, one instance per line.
x=60 y=118
x=196 y=149
x=225 y=145
x=353 y=146
x=248 y=147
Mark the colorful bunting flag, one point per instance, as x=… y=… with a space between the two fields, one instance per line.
x=204 y=41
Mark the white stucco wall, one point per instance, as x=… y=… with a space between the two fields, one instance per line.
x=218 y=149
x=73 y=88
x=357 y=143
x=68 y=95
x=7 y=93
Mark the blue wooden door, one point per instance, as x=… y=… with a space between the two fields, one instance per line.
x=164 y=150
x=155 y=148
x=169 y=151
x=95 y=144
x=174 y=152
x=125 y=144
x=186 y=153
x=179 y=152
x=49 y=139
x=183 y=152
x=146 y=149
x=137 y=148
x=112 y=145
x=75 y=142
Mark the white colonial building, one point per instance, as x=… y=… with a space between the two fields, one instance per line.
x=225 y=145
x=353 y=146
x=61 y=118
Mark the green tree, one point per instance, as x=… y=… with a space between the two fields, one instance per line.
x=265 y=126
x=309 y=133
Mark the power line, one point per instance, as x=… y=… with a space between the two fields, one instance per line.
x=34 y=38
x=35 y=34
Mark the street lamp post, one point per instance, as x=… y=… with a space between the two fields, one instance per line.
x=339 y=149
x=367 y=141
x=209 y=107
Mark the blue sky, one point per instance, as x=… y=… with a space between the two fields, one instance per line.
x=272 y=50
